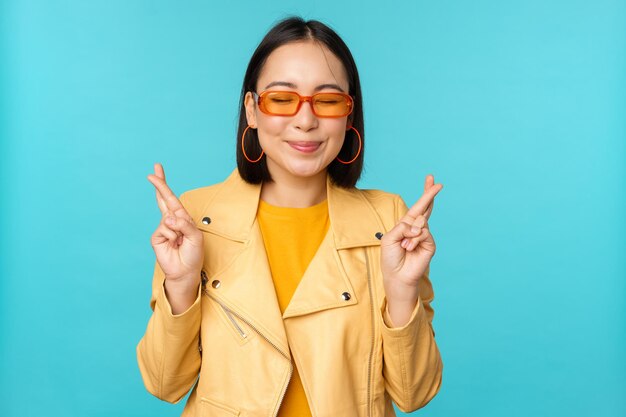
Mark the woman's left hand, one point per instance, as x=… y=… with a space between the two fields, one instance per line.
x=406 y=250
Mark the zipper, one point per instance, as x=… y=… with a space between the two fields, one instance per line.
x=232 y=320
x=369 y=364
x=231 y=312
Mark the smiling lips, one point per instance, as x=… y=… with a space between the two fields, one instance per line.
x=307 y=147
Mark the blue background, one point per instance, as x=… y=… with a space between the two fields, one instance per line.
x=517 y=107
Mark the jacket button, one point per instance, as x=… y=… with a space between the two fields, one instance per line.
x=206 y=220
x=345 y=296
x=378 y=235
x=216 y=283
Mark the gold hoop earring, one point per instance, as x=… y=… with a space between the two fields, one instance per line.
x=244 y=149
x=359 y=151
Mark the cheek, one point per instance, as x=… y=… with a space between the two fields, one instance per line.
x=269 y=130
x=271 y=127
x=336 y=131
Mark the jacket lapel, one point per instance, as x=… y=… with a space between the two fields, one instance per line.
x=353 y=223
x=246 y=278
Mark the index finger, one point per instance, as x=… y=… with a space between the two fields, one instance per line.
x=171 y=201
x=159 y=172
x=429 y=182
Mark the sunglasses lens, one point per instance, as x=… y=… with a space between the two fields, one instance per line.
x=331 y=105
x=280 y=103
x=285 y=103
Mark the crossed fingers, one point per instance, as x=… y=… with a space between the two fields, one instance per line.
x=424 y=205
x=167 y=201
x=417 y=216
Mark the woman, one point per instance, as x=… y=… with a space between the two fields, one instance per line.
x=285 y=290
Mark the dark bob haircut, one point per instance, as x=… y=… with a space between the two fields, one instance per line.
x=294 y=29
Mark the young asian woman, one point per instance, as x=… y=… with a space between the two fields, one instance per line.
x=285 y=290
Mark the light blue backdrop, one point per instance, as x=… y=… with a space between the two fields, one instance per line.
x=517 y=107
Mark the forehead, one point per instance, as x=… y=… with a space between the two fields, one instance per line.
x=306 y=64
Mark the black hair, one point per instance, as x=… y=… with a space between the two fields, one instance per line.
x=293 y=29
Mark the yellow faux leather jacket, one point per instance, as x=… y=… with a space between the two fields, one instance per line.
x=234 y=345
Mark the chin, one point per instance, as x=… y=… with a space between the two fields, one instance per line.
x=301 y=170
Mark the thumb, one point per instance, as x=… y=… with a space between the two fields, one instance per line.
x=182 y=225
x=400 y=231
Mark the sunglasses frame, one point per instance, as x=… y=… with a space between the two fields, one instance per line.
x=260 y=96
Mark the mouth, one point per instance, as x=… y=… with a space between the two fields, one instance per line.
x=305 y=146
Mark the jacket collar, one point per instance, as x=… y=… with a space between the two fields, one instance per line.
x=353 y=220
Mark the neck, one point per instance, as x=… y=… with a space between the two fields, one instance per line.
x=293 y=191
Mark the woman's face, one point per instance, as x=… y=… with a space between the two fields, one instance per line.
x=301 y=145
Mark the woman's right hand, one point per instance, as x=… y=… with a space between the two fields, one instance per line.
x=177 y=242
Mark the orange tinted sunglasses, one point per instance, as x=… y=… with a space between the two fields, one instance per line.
x=288 y=103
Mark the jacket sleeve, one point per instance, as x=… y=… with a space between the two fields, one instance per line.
x=412 y=365
x=168 y=354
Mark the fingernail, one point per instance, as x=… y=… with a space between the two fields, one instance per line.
x=415 y=229
x=171 y=221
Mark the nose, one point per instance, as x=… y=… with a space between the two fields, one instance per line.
x=304 y=119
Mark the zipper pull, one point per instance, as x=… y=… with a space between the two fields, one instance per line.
x=204 y=279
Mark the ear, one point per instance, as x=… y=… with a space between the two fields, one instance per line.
x=250 y=106
x=349 y=123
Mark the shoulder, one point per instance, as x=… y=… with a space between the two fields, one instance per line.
x=200 y=193
x=196 y=198
x=389 y=206
x=231 y=194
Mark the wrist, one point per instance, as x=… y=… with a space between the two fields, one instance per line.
x=400 y=293
x=182 y=287
x=400 y=311
x=180 y=296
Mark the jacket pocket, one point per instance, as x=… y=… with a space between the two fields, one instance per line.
x=212 y=408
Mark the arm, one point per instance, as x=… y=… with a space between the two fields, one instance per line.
x=412 y=365
x=168 y=354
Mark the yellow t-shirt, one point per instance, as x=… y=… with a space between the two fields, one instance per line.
x=291 y=237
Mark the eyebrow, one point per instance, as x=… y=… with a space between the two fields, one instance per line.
x=292 y=85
